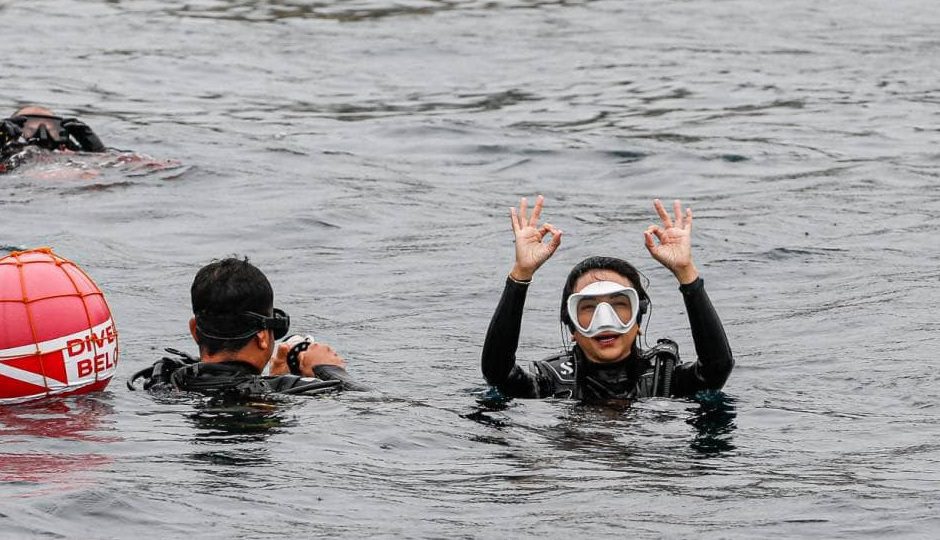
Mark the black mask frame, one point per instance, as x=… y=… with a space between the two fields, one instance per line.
x=41 y=135
x=278 y=324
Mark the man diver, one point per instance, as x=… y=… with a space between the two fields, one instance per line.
x=33 y=128
x=603 y=303
x=236 y=325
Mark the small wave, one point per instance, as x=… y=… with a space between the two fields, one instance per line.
x=347 y=12
x=784 y=253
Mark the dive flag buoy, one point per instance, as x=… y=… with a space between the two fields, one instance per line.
x=57 y=337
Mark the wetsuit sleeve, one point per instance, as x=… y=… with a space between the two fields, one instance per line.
x=714 y=361
x=502 y=340
x=336 y=373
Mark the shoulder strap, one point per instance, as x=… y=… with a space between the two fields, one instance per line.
x=664 y=357
x=559 y=374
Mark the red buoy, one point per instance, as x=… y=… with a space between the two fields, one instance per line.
x=56 y=333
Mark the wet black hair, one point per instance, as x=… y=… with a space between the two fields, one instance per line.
x=222 y=292
x=613 y=264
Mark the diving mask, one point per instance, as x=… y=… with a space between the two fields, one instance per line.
x=43 y=130
x=278 y=324
x=604 y=306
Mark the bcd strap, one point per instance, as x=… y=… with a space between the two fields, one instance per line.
x=147 y=373
x=186 y=358
x=664 y=356
x=163 y=368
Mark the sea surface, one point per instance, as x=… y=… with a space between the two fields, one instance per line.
x=364 y=154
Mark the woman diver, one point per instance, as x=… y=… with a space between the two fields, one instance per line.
x=602 y=305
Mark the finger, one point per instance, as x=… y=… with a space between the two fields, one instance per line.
x=514 y=219
x=279 y=353
x=537 y=211
x=556 y=240
x=659 y=232
x=648 y=240
x=548 y=228
x=543 y=230
x=322 y=347
x=688 y=219
x=663 y=215
x=677 y=210
x=523 y=206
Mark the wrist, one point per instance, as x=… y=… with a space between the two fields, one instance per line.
x=686 y=274
x=521 y=275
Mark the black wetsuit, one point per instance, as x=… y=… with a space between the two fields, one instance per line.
x=644 y=373
x=236 y=380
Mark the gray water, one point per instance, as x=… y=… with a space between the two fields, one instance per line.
x=364 y=154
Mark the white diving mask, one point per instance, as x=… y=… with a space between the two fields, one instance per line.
x=606 y=305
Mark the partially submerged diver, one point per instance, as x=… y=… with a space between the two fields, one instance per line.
x=236 y=327
x=31 y=129
x=603 y=304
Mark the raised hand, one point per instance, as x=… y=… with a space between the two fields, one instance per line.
x=279 y=359
x=671 y=244
x=10 y=131
x=531 y=251
x=86 y=138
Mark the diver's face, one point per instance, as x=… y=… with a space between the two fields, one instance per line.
x=34 y=123
x=37 y=117
x=607 y=346
x=45 y=131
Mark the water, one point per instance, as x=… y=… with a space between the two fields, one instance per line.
x=364 y=155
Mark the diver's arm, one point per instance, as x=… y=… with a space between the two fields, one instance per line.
x=502 y=337
x=671 y=245
x=10 y=132
x=502 y=340
x=322 y=362
x=338 y=373
x=714 y=361
x=318 y=360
